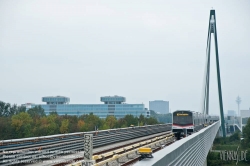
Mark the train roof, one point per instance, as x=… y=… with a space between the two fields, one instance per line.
x=189 y=111
x=182 y=110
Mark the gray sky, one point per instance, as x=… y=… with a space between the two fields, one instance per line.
x=143 y=50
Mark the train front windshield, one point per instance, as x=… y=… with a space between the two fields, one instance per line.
x=182 y=118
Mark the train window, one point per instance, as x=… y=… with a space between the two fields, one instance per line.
x=182 y=120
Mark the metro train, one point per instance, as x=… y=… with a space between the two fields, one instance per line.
x=191 y=121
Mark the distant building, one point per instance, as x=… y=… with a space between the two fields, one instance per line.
x=159 y=106
x=245 y=114
x=231 y=113
x=28 y=105
x=113 y=105
x=56 y=100
x=147 y=112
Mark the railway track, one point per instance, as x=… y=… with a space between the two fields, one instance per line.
x=128 y=154
x=136 y=159
x=38 y=149
x=114 y=147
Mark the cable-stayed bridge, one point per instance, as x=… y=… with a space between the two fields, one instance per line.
x=120 y=146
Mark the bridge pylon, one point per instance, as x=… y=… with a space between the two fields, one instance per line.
x=212 y=30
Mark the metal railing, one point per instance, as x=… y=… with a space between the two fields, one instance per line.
x=191 y=150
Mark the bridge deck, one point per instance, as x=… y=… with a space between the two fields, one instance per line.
x=70 y=157
x=191 y=150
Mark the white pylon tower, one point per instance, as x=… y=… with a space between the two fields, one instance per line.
x=238 y=101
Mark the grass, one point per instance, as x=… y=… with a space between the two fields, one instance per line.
x=215 y=160
x=225 y=147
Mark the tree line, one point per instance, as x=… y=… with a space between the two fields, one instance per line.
x=162 y=118
x=17 y=122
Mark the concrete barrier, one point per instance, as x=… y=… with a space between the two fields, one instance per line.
x=191 y=150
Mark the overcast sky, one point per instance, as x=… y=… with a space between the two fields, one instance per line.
x=143 y=50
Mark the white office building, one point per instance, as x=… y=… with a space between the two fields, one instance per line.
x=112 y=105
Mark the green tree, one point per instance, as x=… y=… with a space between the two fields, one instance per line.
x=7 y=110
x=53 y=127
x=41 y=127
x=6 y=130
x=93 y=121
x=21 y=109
x=4 y=109
x=130 y=120
x=73 y=121
x=22 y=124
x=162 y=118
x=36 y=112
x=141 y=119
x=53 y=113
x=80 y=125
x=151 y=121
x=235 y=137
x=13 y=110
x=104 y=127
x=64 y=126
x=121 y=123
x=110 y=122
x=246 y=135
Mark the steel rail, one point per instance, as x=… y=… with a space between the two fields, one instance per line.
x=64 y=161
x=125 y=151
x=34 y=139
x=33 y=149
